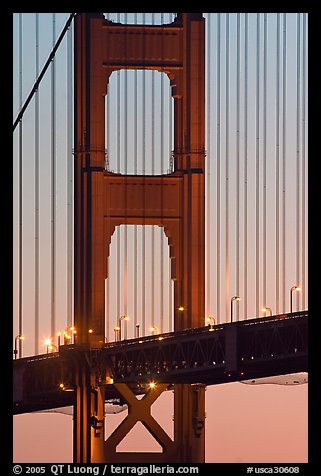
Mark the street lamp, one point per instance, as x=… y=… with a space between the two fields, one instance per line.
x=117 y=333
x=53 y=347
x=267 y=309
x=72 y=333
x=234 y=298
x=121 y=318
x=211 y=321
x=48 y=344
x=67 y=338
x=154 y=330
x=294 y=288
x=68 y=333
x=18 y=337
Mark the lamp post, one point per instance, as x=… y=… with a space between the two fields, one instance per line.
x=69 y=335
x=211 y=321
x=294 y=288
x=122 y=318
x=18 y=337
x=47 y=343
x=53 y=347
x=137 y=330
x=117 y=333
x=267 y=309
x=154 y=330
x=234 y=298
x=71 y=330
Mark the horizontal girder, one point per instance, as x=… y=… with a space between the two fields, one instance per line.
x=210 y=355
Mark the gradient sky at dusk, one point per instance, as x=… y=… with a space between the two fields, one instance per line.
x=263 y=423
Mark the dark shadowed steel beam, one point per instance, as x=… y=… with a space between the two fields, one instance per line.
x=243 y=350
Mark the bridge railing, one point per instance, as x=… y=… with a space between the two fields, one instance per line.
x=210 y=355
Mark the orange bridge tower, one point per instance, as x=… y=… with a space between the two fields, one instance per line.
x=104 y=200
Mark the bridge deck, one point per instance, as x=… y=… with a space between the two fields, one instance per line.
x=210 y=355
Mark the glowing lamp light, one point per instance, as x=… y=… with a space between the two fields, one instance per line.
x=66 y=388
x=18 y=337
x=181 y=308
x=152 y=385
x=154 y=330
x=267 y=309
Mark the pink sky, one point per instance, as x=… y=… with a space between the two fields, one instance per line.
x=255 y=424
x=264 y=423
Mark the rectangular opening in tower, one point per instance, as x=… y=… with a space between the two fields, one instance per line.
x=139 y=123
x=139 y=290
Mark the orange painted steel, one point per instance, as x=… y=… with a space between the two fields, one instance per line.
x=176 y=202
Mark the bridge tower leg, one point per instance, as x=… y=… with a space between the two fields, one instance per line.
x=104 y=200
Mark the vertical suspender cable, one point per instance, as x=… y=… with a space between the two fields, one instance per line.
x=143 y=227
x=53 y=185
x=126 y=171
x=264 y=152
x=162 y=191
x=118 y=171
x=277 y=168
x=257 y=178
x=170 y=289
x=20 y=211
x=284 y=163
x=208 y=168
x=245 y=158
x=303 y=154
x=237 y=214
x=227 y=138
x=153 y=172
x=107 y=290
x=69 y=178
x=135 y=173
x=298 y=119
x=37 y=195
x=218 y=169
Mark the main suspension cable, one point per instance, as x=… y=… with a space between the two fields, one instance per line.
x=44 y=69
